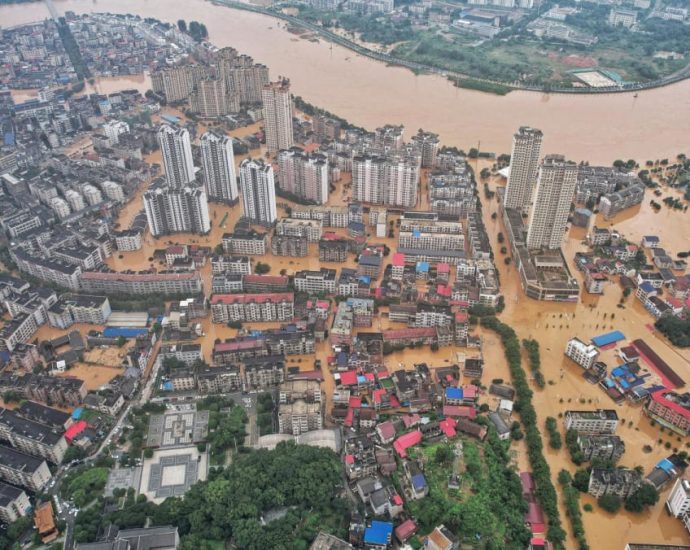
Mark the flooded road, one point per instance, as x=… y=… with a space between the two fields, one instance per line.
x=598 y=128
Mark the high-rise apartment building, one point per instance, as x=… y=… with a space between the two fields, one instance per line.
x=303 y=174
x=257 y=184
x=218 y=163
x=427 y=143
x=524 y=164
x=174 y=83
x=177 y=210
x=176 y=149
x=551 y=204
x=278 y=115
x=244 y=78
x=212 y=100
x=392 y=181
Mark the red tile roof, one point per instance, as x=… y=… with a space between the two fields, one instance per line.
x=406 y=441
x=266 y=279
x=348 y=378
x=460 y=410
x=355 y=402
x=405 y=530
x=398 y=259
x=447 y=426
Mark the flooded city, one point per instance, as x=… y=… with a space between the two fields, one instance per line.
x=595 y=128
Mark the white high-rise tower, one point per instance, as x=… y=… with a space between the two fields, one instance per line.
x=218 y=163
x=524 y=163
x=257 y=185
x=176 y=149
x=277 y=115
x=551 y=205
x=304 y=175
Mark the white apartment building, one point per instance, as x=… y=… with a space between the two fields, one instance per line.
x=113 y=191
x=176 y=149
x=92 y=194
x=177 y=210
x=304 y=175
x=678 y=501
x=551 y=204
x=60 y=207
x=316 y=282
x=278 y=115
x=14 y=503
x=257 y=184
x=524 y=162
x=392 y=181
x=218 y=163
x=583 y=354
x=75 y=200
x=114 y=129
x=311 y=229
x=600 y=421
x=22 y=469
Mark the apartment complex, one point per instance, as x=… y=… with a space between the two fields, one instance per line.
x=611 y=204
x=24 y=470
x=305 y=175
x=392 y=180
x=551 y=203
x=299 y=408
x=277 y=115
x=257 y=184
x=524 y=163
x=670 y=409
x=176 y=209
x=218 y=163
x=79 y=308
x=142 y=283
x=252 y=307
x=316 y=282
x=32 y=437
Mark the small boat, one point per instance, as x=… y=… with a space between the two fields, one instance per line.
x=635 y=95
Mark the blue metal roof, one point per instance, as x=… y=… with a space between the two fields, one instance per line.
x=418 y=482
x=380 y=532
x=608 y=338
x=454 y=393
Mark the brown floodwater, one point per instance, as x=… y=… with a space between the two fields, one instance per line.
x=101 y=85
x=598 y=128
x=552 y=324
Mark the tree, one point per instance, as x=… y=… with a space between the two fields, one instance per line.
x=443 y=455
x=148 y=453
x=564 y=477
x=121 y=341
x=581 y=480
x=182 y=25
x=610 y=503
x=646 y=495
x=261 y=268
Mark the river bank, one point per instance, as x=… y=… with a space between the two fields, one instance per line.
x=596 y=128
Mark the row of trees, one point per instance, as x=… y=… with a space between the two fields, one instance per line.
x=532 y=348
x=195 y=29
x=675 y=329
x=555 y=441
x=546 y=493
x=571 y=498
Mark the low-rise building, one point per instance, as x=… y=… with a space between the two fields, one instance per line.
x=583 y=354
x=601 y=447
x=621 y=482
x=316 y=282
x=252 y=307
x=31 y=437
x=601 y=421
x=24 y=470
x=14 y=503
